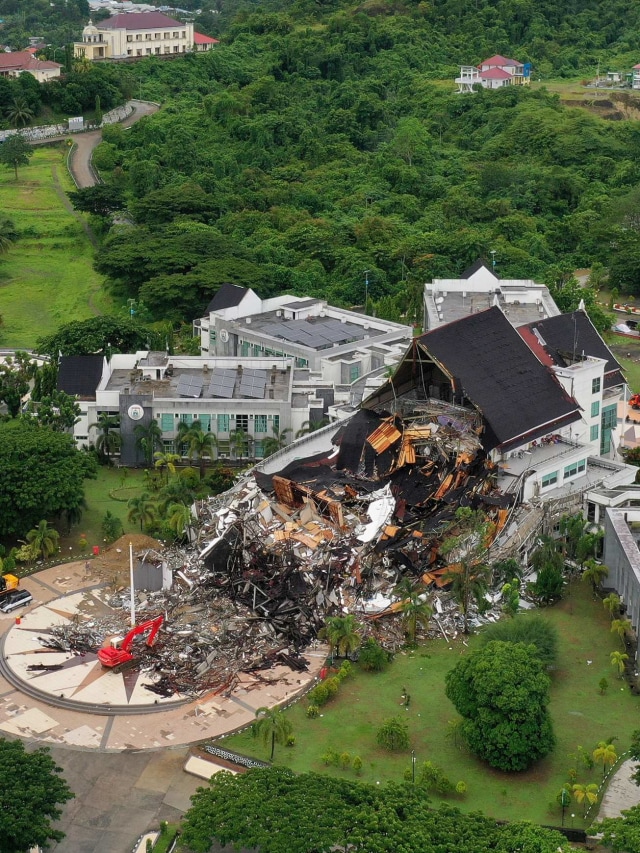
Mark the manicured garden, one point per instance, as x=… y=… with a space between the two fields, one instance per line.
x=46 y=277
x=582 y=717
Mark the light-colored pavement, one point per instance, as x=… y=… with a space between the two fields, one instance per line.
x=126 y=771
x=622 y=792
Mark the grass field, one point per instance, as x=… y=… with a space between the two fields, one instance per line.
x=581 y=717
x=123 y=484
x=47 y=277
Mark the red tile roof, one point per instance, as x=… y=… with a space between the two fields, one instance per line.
x=139 y=21
x=636 y=66
x=500 y=61
x=495 y=74
x=22 y=60
x=199 y=38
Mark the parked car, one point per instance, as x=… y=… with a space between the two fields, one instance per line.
x=15 y=598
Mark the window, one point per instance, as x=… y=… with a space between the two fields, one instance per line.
x=157 y=35
x=167 y=35
x=147 y=36
x=148 y=51
x=575 y=468
x=139 y=37
x=183 y=34
x=175 y=35
x=157 y=50
x=609 y=417
x=129 y=38
x=354 y=372
x=138 y=53
x=223 y=423
x=594 y=433
x=242 y=423
x=244 y=349
x=166 y=422
x=176 y=49
x=276 y=423
x=186 y=419
x=549 y=480
x=256 y=350
x=595 y=385
x=595 y=409
x=212 y=336
x=260 y=423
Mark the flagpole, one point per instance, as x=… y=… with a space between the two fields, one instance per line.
x=133 y=592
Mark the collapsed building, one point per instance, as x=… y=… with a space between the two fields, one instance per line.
x=472 y=417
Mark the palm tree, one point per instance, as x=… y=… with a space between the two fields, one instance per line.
x=273 y=727
x=587 y=794
x=166 y=462
x=594 y=574
x=180 y=519
x=272 y=443
x=414 y=608
x=177 y=491
x=239 y=441
x=342 y=634
x=612 y=604
x=8 y=235
x=183 y=436
x=469 y=575
x=43 y=540
x=201 y=445
x=618 y=660
x=148 y=440
x=19 y=113
x=621 y=627
x=605 y=752
x=141 y=509
x=108 y=441
x=311 y=426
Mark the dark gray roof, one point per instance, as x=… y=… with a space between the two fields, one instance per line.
x=302 y=303
x=79 y=375
x=493 y=367
x=475 y=266
x=228 y=296
x=569 y=337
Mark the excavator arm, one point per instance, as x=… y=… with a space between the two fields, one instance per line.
x=117 y=657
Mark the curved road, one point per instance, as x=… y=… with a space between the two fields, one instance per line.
x=80 y=165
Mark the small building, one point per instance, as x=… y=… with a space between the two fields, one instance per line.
x=520 y=300
x=494 y=73
x=133 y=35
x=24 y=62
x=635 y=77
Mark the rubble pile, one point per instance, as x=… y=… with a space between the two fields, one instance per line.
x=338 y=531
x=278 y=554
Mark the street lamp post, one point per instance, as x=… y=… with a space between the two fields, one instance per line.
x=366 y=290
x=493 y=258
x=413 y=766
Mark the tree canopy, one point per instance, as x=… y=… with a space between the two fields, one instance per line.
x=278 y=811
x=96 y=335
x=31 y=794
x=42 y=475
x=502 y=691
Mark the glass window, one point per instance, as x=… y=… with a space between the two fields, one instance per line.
x=166 y=422
x=354 y=372
x=242 y=423
x=595 y=385
x=186 y=419
x=205 y=423
x=256 y=350
x=595 y=409
x=223 y=423
x=276 y=423
x=609 y=417
x=575 y=468
x=175 y=35
x=549 y=479
x=595 y=432
x=167 y=35
x=260 y=423
x=129 y=38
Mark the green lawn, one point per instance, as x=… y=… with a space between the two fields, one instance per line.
x=581 y=717
x=123 y=484
x=47 y=277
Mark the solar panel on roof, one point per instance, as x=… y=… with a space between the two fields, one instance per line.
x=222 y=383
x=253 y=383
x=189 y=385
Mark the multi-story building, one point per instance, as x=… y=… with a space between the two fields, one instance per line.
x=338 y=349
x=494 y=73
x=479 y=288
x=259 y=397
x=133 y=35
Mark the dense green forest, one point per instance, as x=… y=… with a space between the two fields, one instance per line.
x=297 y=157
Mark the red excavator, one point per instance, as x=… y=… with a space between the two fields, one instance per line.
x=634 y=401
x=117 y=655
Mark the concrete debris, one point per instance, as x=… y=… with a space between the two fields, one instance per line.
x=279 y=553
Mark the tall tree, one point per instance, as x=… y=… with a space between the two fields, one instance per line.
x=594 y=574
x=466 y=548
x=14 y=152
x=606 y=753
x=180 y=520
x=273 y=726
x=148 y=440
x=32 y=792
x=342 y=634
x=142 y=510
x=274 y=442
x=416 y=610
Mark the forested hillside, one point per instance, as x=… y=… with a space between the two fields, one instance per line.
x=309 y=148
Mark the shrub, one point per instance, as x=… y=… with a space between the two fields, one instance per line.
x=461 y=788
x=291 y=740
x=345 y=760
x=433 y=778
x=319 y=695
x=393 y=734
x=333 y=686
x=346 y=669
x=373 y=658
x=313 y=711
x=357 y=764
x=603 y=686
x=330 y=758
x=531 y=630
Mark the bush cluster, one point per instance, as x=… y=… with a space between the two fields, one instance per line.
x=327 y=689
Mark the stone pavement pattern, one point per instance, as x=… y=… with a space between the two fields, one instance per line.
x=622 y=792
x=126 y=771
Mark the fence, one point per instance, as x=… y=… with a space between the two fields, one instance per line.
x=50 y=131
